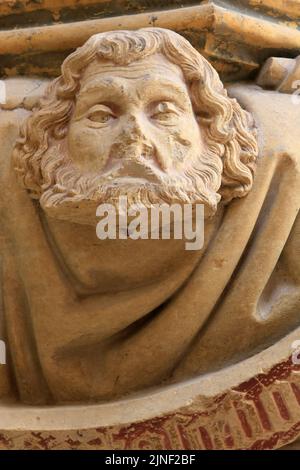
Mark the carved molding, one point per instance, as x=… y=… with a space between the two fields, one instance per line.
x=262 y=413
x=219 y=30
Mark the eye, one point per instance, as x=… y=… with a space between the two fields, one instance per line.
x=165 y=112
x=100 y=115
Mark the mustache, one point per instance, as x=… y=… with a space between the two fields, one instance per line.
x=142 y=155
x=134 y=169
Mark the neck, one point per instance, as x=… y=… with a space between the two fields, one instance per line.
x=110 y=266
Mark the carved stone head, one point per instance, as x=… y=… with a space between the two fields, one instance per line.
x=140 y=113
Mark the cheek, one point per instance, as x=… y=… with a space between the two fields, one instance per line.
x=88 y=148
x=177 y=145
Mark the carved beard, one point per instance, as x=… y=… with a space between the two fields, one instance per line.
x=69 y=194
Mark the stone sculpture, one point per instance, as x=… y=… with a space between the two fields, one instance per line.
x=143 y=114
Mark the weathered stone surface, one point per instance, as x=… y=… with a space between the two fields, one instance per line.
x=203 y=339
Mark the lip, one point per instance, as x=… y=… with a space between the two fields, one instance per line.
x=131 y=180
x=132 y=171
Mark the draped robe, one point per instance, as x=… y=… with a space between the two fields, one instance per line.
x=240 y=294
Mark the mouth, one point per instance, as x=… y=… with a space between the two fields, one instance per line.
x=129 y=171
x=132 y=181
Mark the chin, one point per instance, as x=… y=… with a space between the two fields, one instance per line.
x=81 y=212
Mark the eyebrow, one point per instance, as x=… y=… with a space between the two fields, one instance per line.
x=110 y=86
x=106 y=87
x=166 y=87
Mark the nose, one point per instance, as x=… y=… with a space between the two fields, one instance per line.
x=134 y=129
x=135 y=148
x=135 y=139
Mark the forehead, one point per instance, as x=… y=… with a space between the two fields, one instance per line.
x=153 y=72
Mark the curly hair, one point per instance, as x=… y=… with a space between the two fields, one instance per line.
x=228 y=129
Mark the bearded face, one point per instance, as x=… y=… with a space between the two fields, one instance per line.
x=135 y=113
x=133 y=132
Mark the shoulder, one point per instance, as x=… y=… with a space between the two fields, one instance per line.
x=277 y=117
x=21 y=92
x=18 y=97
